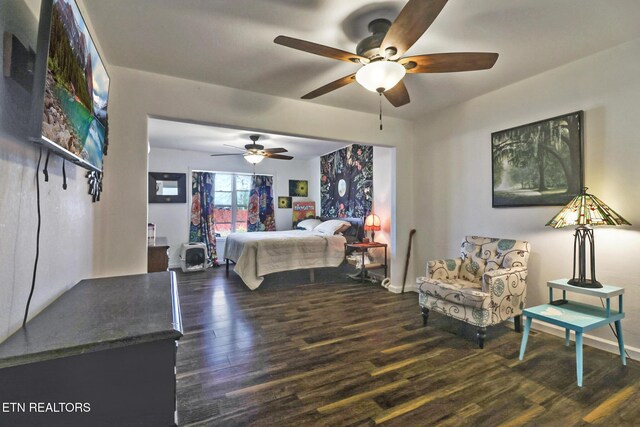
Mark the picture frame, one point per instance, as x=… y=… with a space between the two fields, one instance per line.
x=284 y=202
x=302 y=211
x=298 y=188
x=539 y=163
x=167 y=187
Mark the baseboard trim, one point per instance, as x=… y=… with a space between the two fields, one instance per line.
x=397 y=289
x=590 y=340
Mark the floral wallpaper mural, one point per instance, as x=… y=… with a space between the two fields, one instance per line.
x=346 y=186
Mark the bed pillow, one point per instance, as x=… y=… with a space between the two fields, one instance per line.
x=332 y=227
x=308 y=224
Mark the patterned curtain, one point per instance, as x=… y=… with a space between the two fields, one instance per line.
x=202 y=229
x=261 y=214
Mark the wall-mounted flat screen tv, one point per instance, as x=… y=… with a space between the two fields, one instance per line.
x=76 y=95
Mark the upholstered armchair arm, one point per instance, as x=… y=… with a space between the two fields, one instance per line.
x=506 y=283
x=441 y=269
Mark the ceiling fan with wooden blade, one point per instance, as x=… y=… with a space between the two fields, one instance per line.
x=274 y=150
x=336 y=84
x=414 y=19
x=449 y=62
x=319 y=49
x=278 y=156
x=255 y=153
x=380 y=54
x=397 y=95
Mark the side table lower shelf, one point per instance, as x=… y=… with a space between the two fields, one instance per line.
x=577 y=317
x=363 y=248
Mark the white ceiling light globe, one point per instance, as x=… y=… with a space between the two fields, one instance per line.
x=253 y=158
x=380 y=75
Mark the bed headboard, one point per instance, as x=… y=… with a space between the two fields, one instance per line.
x=353 y=233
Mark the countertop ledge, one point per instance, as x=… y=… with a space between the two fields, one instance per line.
x=99 y=314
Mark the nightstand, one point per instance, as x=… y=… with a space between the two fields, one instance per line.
x=577 y=317
x=363 y=248
x=157 y=255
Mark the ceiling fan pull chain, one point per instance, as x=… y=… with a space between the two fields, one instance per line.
x=380 y=93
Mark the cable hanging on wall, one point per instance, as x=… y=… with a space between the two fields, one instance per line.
x=35 y=263
x=45 y=171
x=64 y=175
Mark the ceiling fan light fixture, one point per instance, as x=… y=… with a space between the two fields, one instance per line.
x=253 y=158
x=380 y=76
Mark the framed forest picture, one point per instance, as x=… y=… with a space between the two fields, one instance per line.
x=538 y=164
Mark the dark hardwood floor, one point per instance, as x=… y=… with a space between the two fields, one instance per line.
x=347 y=353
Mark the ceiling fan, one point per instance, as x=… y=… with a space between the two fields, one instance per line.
x=255 y=153
x=380 y=54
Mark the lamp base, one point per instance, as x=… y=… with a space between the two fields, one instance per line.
x=586 y=283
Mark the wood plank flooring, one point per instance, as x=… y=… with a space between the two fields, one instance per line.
x=345 y=353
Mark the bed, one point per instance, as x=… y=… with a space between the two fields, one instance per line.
x=257 y=254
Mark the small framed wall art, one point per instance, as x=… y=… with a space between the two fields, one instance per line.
x=284 y=202
x=298 y=188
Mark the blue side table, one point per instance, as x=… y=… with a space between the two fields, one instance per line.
x=577 y=317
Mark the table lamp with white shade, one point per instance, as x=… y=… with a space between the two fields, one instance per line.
x=372 y=223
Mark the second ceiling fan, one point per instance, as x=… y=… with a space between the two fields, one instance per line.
x=380 y=54
x=255 y=153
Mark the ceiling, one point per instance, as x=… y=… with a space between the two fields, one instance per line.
x=211 y=139
x=230 y=43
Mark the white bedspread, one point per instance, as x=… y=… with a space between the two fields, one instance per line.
x=265 y=252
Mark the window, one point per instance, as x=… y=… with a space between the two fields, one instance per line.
x=231 y=201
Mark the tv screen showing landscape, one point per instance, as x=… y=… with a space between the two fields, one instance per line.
x=76 y=89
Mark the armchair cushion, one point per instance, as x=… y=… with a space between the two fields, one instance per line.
x=509 y=253
x=444 y=268
x=481 y=247
x=457 y=291
x=472 y=315
x=498 y=253
x=472 y=268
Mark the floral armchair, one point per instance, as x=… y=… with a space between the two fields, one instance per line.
x=483 y=287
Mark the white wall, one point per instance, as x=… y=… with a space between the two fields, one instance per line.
x=172 y=219
x=67 y=240
x=135 y=95
x=384 y=203
x=453 y=173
